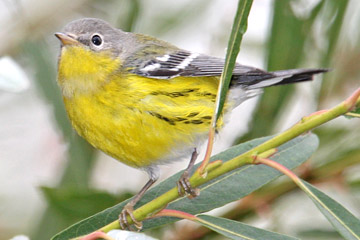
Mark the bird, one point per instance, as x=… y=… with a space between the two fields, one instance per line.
x=144 y=101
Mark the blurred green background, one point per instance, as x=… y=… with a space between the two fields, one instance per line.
x=50 y=178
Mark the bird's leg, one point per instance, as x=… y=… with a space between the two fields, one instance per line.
x=129 y=207
x=183 y=183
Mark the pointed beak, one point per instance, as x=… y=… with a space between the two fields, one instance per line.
x=66 y=39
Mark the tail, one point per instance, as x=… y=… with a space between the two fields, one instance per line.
x=261 y=79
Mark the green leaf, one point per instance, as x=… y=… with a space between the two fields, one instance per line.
x=216 y=193
x=336 y=11
x=287 y=37
x=126 y=22
x=353 y=114
x=342 y=220
x=238 y=29
x=167 y=23
x=337 y=163
x=237 y=230
x=75 y=204
x=319 y=234
x=334 y=19
x=355 y=184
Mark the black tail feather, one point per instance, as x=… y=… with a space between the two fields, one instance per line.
x=299 y=75
x=260 y=79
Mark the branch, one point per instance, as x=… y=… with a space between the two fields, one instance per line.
x=217 y=168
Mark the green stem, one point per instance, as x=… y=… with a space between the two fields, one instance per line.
x=237 y=32
x=306 y=124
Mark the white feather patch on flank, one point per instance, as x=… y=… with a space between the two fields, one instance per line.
x=268 y=82
x=151 y=67
x=185 y=62
x=173 y=69
x=163 y=58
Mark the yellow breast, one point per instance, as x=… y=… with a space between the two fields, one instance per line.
x=139 y=121
x=145 y=120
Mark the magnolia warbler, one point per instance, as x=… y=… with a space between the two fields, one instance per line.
x=144 y=101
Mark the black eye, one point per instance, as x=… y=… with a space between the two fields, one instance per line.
x=96 y=40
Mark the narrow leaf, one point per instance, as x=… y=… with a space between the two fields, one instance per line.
x=335 y=12
x=342 y=220
x=237 y=230
x=216 y=193
x=238 y=30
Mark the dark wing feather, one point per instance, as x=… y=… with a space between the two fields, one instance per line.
x=184 y=63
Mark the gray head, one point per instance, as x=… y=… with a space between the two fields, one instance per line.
x=94 y=33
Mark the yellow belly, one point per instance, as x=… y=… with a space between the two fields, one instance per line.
x=142 y=121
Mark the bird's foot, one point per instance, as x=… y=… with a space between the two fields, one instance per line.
x=128 y=211
x=184 y=186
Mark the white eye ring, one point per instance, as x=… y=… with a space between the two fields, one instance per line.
x=97 y=40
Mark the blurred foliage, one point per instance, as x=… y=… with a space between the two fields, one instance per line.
x=317 y=38
x=81 y=155
x=78 y=204
x=287 y=49
x=319 y=234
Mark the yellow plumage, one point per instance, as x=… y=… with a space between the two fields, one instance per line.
x=137 y=120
